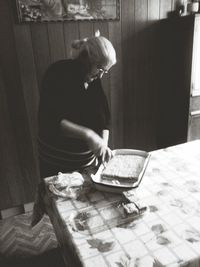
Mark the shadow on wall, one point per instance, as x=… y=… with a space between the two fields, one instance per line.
x=140 y=88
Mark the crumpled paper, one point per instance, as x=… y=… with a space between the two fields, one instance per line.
x=67 y=185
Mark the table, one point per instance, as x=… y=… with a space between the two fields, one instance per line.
x=167 y=234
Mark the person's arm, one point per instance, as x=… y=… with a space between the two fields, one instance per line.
x=94 y=141
x=108 y=154
x=70 y=129
x=97 y=144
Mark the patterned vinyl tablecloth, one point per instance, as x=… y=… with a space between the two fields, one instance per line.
x=166 y=234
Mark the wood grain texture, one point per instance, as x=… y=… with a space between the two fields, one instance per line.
x=28 y=72
x=141 y=71
x=165 y=7
x=116 y=88
x=153 y=10
x=7 y=140
x=86 y=29
x=153 y=17
x=56 y=41
x=71 y=33
x=20 y=165
x=41 y=50
x=128 y=70
x=30 y=92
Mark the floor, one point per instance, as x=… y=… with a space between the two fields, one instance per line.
x=21 y=245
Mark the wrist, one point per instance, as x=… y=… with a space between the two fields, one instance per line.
x=89 y=134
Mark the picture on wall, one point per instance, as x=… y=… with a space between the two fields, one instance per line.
x=61 y=10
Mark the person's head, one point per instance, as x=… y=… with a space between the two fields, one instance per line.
x=98 y=55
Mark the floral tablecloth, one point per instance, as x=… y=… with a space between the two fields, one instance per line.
x=166 y=234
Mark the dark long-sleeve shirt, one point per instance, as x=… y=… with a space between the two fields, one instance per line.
x=64 y=96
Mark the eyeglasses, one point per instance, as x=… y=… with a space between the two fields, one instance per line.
x=103 y=71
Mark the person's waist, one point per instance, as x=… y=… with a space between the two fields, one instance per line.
x=71 y=147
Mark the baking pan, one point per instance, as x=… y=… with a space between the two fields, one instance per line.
x=117 y=186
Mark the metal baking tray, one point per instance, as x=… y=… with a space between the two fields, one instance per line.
x=120 y=186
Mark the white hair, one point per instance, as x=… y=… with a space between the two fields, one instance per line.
x=100 y=50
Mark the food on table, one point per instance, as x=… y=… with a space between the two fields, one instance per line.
x=67 y=185
x=130 y=208
x=123 y=168
x=63 y=180
x=133 y=208
x=130 y=195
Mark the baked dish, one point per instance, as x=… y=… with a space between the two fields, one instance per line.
x=123 y=172
x=124 y=168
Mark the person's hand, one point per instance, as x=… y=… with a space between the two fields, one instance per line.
x=99 y=147
x=106 y=155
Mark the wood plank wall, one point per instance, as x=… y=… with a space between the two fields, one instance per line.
x=26 y=50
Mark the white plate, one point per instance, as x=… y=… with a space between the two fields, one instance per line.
x=116 y=185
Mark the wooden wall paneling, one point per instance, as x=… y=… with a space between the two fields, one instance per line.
x=71 y=33
x=102 y=26
x=176 y=4
x=153 y=17
x=16 y=178
x=9 y=168
x=128 y=46
x=56 y=41
x=153 y=11
x=41 y=50
x=28 y=71
x=86 y=29
x=141 y=15
x=165 y=8
x=30 y=95
x=116 y=88
x=142 y=102
x=8 y=155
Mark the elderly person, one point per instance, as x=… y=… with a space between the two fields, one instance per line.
x=74 y=116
